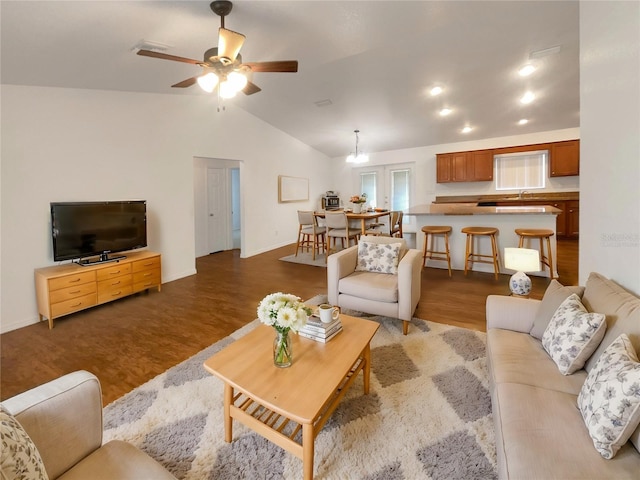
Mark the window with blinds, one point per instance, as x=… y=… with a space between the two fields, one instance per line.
x=522 y=170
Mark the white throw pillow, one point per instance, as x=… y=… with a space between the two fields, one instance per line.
x=20 y=458
x=378 y=257
x=554 y=295
x=573 y=334
x=610 y=397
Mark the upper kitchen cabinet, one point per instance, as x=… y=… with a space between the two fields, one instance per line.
x=476 y=166
x=482 y=161
x=564 y=160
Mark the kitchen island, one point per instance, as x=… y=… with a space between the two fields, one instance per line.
x=505 y=219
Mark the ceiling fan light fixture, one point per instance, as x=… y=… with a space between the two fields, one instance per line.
x=208 y=81
x=237 y=80
x=358 y=157
x=226 y=89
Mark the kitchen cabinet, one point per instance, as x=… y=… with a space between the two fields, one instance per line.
x=444 y=168
x=564 y=160
x=482 y=161
x=478 y=165
x=566 y=221
x=561 y=219
x=573 y=218
x=475 y=166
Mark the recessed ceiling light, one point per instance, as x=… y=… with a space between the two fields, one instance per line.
x=527 y=70
x=435 y=91
x=523 y=121
x=445 y=111
x=528 y=97
x=467 y=129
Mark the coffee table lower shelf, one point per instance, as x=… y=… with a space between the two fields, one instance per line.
x=281 y=430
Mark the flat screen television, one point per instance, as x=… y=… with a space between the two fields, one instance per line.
x=95 y=229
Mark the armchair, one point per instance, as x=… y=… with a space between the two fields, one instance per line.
x=63 y=418
x=392 y=295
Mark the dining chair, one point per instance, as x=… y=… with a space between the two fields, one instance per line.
x=395 y=224
x=337 y=226
x=310 y=234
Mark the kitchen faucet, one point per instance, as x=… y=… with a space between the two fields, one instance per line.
x=521 y=194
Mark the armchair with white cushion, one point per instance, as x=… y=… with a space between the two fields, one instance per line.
x=361 y=285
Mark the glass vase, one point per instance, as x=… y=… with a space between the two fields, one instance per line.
x=282 y=349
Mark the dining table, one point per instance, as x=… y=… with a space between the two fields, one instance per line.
x=362 y=216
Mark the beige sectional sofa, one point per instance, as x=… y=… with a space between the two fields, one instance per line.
x=63 y=418
x=540 y=431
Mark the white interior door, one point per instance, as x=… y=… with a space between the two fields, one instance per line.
x=219 y=219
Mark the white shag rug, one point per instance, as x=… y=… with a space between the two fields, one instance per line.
x=428 y=415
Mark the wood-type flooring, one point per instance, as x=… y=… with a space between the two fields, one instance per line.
x=129 y=341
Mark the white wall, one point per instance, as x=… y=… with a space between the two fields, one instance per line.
x=424 y=159
x=610 y=146
x=74 y=145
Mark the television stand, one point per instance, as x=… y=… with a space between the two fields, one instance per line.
x=69 y=288
x=103 y=258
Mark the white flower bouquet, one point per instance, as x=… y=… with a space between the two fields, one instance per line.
x=283 y=311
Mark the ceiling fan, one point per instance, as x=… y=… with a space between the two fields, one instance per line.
x=222 y=65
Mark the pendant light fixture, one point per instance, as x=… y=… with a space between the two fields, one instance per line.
x=358 y=157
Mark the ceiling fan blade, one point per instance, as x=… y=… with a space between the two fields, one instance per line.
x=229 y=43
x=251 y=88
x=186 y=83
x=277 y=66
x=164 y=56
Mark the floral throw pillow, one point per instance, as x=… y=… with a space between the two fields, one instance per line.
x=573 y=334
x=609 y=400
x=20 y=458
x=378 y=257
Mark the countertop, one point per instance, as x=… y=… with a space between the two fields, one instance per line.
x=513 y=197
x=472 y=209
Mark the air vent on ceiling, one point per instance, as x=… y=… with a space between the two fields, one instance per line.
x=323 y=103
x=150 y=45
x=546 y=52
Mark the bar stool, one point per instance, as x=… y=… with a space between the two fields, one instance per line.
x=430 y=232
x=541 y=234
x=471 y=256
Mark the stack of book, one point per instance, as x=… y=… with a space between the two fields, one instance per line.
x=318 y=331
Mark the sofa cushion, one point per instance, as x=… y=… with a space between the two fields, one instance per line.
x=519 y=358
x=573 y=334
x=118 y=459
x=621 y=308
x=19 y=456
x=543 y=436
x=610 y=398
x=370 y=286
x=378 y=257
x=554 y=295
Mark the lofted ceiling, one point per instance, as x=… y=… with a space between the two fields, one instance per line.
x=374 y=61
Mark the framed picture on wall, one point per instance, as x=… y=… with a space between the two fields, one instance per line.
x=292 y=189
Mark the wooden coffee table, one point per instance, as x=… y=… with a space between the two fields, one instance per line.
x=279 y=402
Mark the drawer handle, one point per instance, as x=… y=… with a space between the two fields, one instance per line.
x=147 y=274
x=114 y=273
x=116 y=293
x=74 y=281
x=74 y=292
x=76 y=305
x=148 y=264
